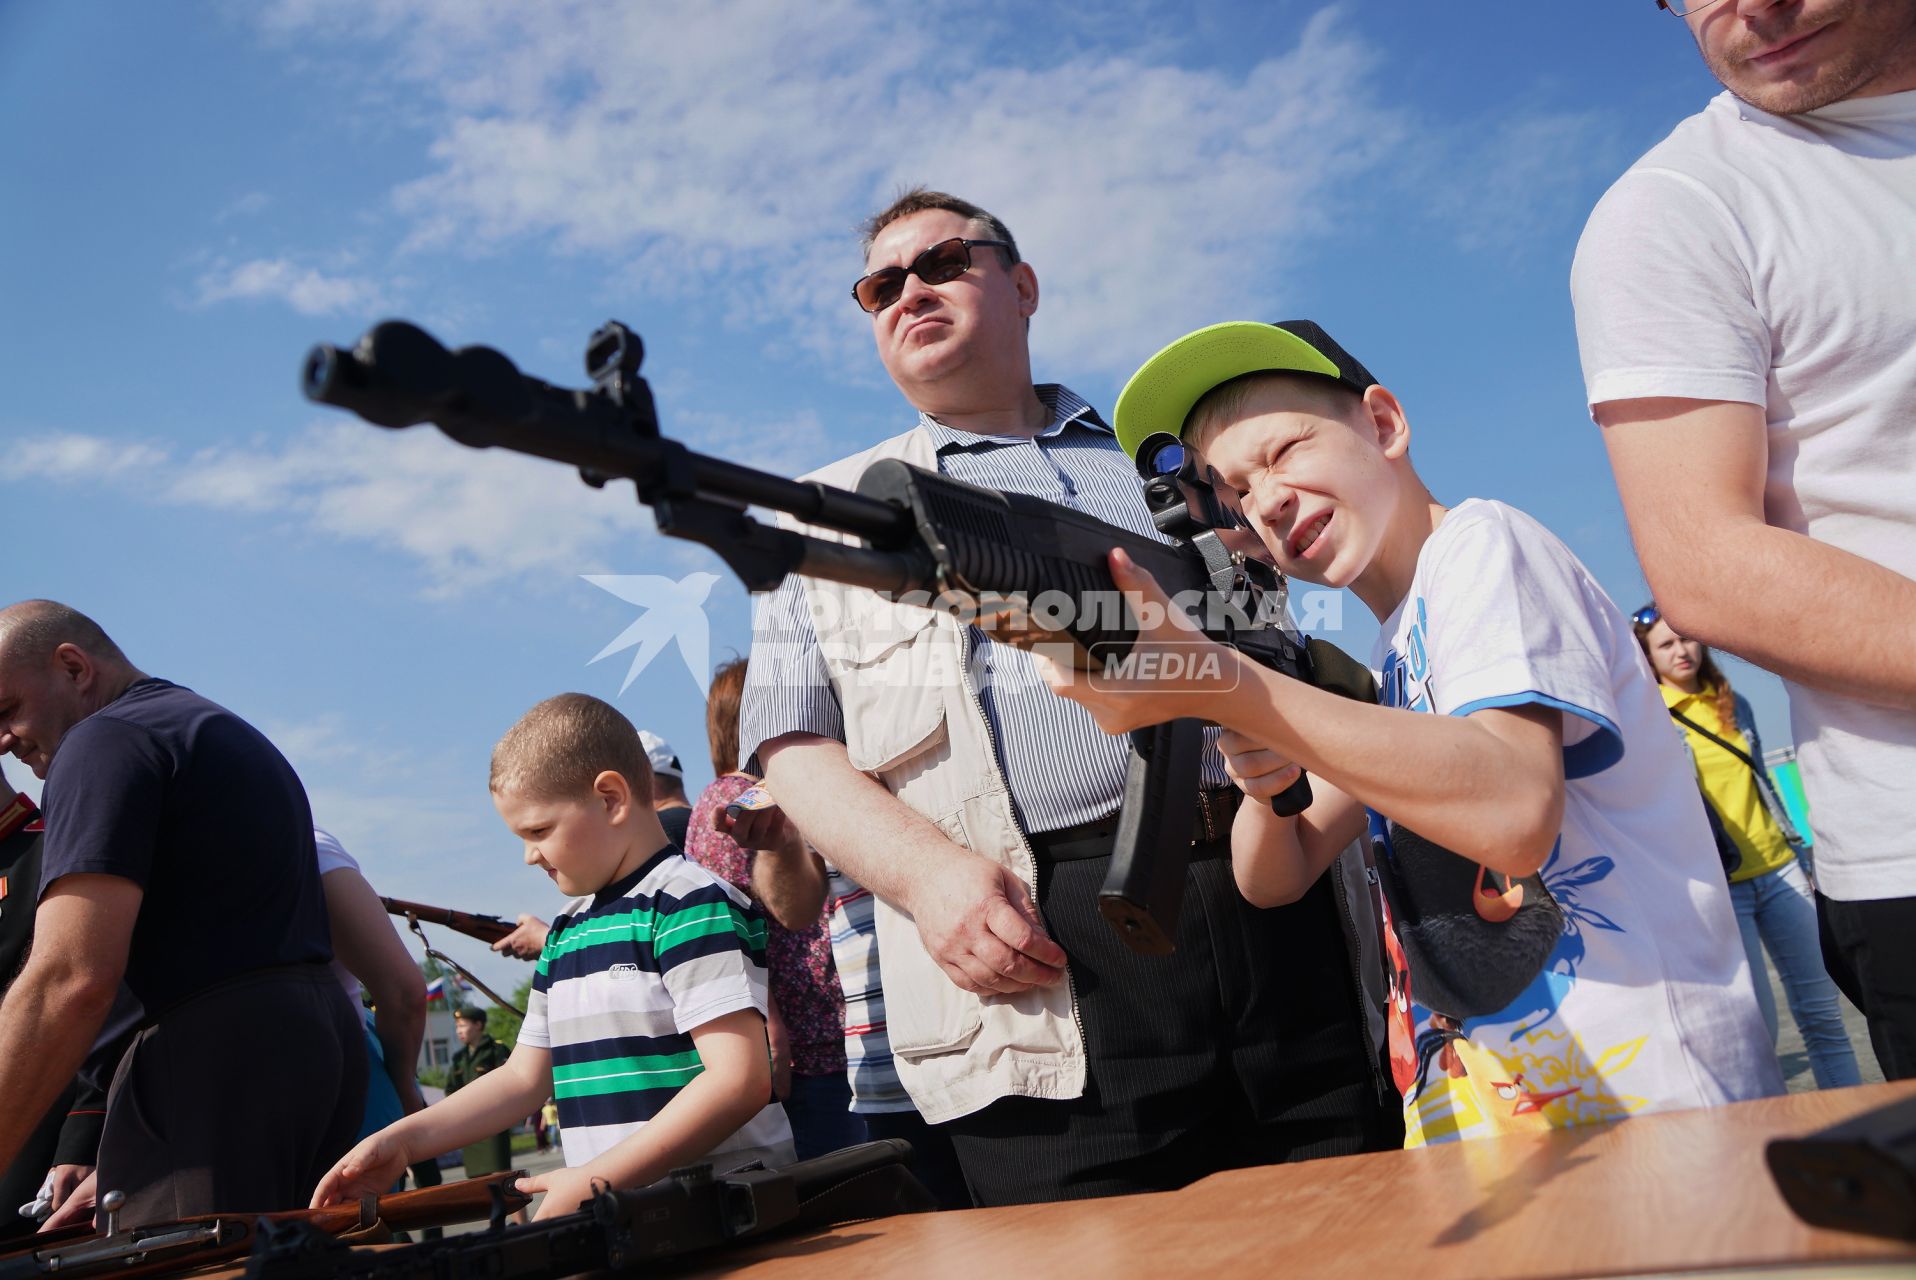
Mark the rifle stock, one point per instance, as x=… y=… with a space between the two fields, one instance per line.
x=487 y=929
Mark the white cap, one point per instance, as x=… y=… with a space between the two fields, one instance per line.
x=665 y=761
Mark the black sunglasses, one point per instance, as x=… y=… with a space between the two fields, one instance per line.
x=940 y=264
x=1646 y=616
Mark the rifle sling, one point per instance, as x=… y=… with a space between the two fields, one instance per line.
x=458 y=968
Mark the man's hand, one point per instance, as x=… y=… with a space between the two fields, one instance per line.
x=1258 y=771
x=979 y=924
x=368 y=1169
x=768 y=829
x=527 y=941
x=74 y=1196
x=1175 y=669
x=565 y=1190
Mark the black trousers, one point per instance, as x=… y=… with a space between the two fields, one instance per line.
x=1245 y=1046
x=933 y=1162
x=21 y=1180
x=237 y=1100
x=1869 y=948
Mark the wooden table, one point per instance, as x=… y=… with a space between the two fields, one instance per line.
x=1675 y=1192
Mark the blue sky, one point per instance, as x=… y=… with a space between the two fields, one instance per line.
x=196 y=193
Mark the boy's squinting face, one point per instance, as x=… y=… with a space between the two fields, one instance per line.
x=1315 y=486
x=577 y=840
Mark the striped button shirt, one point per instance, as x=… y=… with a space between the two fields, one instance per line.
x=1062 y=769
x=868 y=1060
x=625 y=977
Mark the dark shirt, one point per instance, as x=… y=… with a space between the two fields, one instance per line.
x=194 y=805
x=19 y=883
x=674 y=821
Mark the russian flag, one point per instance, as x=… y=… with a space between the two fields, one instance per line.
x=436 y=989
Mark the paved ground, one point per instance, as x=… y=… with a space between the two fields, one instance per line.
x=1789 y=1044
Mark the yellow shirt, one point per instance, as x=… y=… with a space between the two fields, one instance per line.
x=1730 y=785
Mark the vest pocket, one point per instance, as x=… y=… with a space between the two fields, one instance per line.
x=925 y=1013
x=890 y=675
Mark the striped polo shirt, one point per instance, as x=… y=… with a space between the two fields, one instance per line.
x=625 y=977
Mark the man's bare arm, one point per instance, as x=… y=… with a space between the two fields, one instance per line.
x=367 y=944
x=791 y=883
x=1691 y=473
x=976 y=918
x=56 y=1006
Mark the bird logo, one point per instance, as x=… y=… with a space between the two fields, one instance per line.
x=674 y=611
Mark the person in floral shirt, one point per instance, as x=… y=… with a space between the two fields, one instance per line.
x=807 y=1022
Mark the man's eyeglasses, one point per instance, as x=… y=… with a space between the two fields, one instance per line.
x=940 y=264
x=1684 y=8
x=1646 y=616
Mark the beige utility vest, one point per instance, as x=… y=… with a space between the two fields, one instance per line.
x=913 y=722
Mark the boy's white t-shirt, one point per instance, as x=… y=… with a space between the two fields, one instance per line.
x=1771 y=260
x=1646 y=1003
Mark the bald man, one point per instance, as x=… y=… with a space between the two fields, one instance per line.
x=178 y=855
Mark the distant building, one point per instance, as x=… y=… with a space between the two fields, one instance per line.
x=440 y=1042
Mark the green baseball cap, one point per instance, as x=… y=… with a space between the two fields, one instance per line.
x=1161 y=394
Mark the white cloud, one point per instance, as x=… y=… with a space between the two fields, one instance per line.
x=469 y=518
x=729 y=148
x=307 y=290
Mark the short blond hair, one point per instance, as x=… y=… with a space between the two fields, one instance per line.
x=1223 y=404
x=562 y=744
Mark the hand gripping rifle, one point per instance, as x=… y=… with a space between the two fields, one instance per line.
x=159 y=1248
x=985 y=554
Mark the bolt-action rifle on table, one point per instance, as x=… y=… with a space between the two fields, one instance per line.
x=691 y=1210
x=986 y=555
x=127 y=1252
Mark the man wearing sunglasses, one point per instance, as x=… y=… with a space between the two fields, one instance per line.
x=1748 y=332
x=934 y=766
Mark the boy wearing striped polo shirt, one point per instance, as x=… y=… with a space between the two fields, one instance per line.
x=647 y=1014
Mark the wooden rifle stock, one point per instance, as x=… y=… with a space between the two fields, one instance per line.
x=194 y=1242
x=487 y=929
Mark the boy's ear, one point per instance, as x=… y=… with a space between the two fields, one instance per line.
x=614 y=792
x=1389 y=424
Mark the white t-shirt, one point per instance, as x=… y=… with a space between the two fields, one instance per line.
x=1771 y=260
x=1646 y=1003
x=333 y=857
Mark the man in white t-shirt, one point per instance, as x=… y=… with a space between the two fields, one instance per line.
x=1748 y=332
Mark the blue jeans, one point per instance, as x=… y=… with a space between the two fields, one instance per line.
x=1777 y=911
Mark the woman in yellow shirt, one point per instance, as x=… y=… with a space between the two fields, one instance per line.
x=1774 y=906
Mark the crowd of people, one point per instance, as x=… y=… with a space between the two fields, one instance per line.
x=1534 y=887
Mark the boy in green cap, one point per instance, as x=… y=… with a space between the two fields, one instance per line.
x=1562 y=947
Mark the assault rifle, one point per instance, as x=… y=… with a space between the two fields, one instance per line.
x=693 y=1209
x=215 y=1237
x=988 y=556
